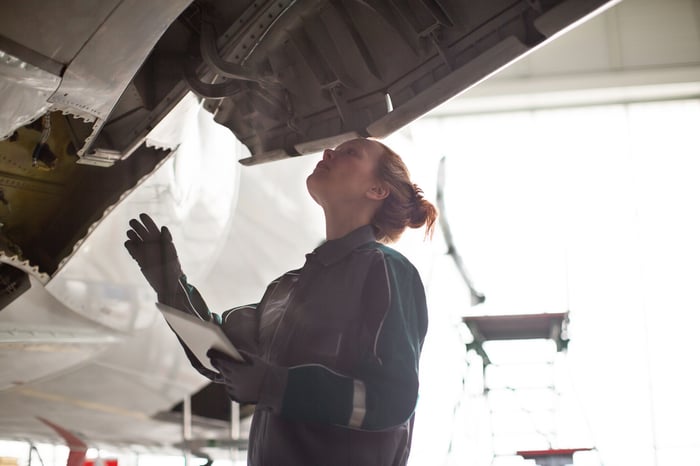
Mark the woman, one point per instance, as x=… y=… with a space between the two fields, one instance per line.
x=333 y=347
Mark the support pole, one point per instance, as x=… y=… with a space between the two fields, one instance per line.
x=235 y=430
x=235 y=421
x=187 y=426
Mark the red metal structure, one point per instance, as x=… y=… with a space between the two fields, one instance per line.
x=554 y=457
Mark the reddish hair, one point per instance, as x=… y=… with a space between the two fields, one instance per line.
x=405 y=205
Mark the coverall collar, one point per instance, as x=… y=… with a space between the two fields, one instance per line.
x=335 y=249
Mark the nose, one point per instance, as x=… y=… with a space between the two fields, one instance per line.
x=328 y=154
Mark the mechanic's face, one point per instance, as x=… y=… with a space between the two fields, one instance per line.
x=347 y=173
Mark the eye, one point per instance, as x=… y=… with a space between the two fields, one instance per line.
x=347 y=150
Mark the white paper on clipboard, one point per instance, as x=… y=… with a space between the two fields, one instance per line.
x=200 y=336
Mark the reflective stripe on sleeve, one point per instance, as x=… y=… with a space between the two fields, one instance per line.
x=358 y=404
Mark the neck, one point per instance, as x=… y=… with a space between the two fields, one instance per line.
x=340 y=222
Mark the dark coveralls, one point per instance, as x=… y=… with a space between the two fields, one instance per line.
x=349 y=325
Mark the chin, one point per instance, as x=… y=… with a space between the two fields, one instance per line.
x=310 y=188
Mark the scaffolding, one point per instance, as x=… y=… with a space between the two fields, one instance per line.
x=521 y=390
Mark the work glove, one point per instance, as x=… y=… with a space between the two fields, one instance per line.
x=254 y=381
x=155 y=253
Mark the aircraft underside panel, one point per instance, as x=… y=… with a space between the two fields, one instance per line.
x=86 y=84
x=288 y=77
x=293 y=77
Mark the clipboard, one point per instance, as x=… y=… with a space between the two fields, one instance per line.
x=199 y=335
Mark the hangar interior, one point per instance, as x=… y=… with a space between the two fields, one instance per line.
x=570 y=185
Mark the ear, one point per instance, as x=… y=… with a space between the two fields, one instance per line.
x=377 y=192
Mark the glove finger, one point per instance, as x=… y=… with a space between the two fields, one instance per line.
x=216 y=363
x=227 y=366
x=248 y=358
x=140 y=230
x=149 y=224
x=131 y=234
x=222 y=367
x=165 y=235
x=130 y=246
x=214 y=353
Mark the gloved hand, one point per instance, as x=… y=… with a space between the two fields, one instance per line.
x=254 y=381
x=156 y=255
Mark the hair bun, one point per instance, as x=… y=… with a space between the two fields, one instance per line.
x=423 y=212
x=405 y=206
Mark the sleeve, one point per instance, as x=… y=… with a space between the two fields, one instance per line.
x=383 y=392
x=239 y=323
x=187 y=298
